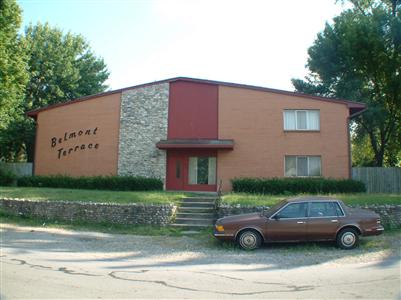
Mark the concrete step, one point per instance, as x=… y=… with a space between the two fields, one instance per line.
x=197 y=204
x=199 y=199
x=208 y=222
x=185 y=209
x=191 y=226
x=196 y=215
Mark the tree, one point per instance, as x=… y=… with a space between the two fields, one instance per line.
x=358 y=57
x=62 y=67
x=13 y=66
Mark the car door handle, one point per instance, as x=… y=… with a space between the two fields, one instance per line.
x=334 y=221
x=300 y=222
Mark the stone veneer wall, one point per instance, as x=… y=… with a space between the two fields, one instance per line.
x=143 y=122
x=390 y=214
x=129 y=214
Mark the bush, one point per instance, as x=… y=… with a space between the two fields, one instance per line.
x=7 y=178
x=115 y=183
x=276 y=186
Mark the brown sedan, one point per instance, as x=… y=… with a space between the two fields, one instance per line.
x=299 y=220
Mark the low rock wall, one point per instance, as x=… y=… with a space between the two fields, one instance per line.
x=390 y=214
x=130 y=214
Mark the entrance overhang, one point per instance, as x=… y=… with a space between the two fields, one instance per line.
x=195 y=144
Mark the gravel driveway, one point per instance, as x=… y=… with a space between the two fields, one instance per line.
x=54 y=263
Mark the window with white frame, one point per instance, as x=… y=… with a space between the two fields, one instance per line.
x=308 y=119
x=302 y=166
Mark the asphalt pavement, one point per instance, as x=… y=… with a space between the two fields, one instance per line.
x=43 y=263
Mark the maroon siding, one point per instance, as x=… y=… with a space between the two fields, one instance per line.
x=193 y=111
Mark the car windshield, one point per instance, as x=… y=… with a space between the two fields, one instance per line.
x=275 y=208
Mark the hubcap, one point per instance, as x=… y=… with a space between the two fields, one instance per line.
x=249 y=241
x=348 y=239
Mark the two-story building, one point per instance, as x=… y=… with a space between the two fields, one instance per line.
x=194 y=134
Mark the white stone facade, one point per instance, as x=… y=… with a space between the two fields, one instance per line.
x=143 y=122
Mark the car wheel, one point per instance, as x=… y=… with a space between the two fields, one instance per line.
x=249 y=240
x=348 y=238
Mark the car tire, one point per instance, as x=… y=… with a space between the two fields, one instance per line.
x=249 y=240
x=347 y=238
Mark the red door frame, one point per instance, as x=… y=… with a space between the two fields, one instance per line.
x=174 y=183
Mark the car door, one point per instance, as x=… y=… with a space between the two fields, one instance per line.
x=288 y=224
x=323 y=220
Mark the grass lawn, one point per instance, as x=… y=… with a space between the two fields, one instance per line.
x=269 y=200
x=6 y=218
x=100 y=196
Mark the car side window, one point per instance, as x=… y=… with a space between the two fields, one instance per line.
x=322 y=209
x=339 y=211
x=294 y=210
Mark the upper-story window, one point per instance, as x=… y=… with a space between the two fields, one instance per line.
x=308 y=119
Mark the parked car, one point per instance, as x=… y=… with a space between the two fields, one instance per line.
x=299 y=220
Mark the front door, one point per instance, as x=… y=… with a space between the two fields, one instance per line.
x=175 y=171
x=289 y=224
x=191 y=170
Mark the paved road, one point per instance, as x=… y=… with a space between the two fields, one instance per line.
x=52 y=263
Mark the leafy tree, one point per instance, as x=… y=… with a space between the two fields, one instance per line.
x=62 y=67
x=13 y=67
x=358 y=57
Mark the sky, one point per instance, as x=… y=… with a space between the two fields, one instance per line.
x=253 y=42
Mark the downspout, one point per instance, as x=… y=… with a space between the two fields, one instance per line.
x=349 y=140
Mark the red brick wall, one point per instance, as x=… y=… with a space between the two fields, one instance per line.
x=254 y=119
x=91 y=125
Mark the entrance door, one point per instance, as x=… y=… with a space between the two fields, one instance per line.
x=176 y=166
x=191 y=170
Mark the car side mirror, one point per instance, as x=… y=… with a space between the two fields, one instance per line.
x=276 y=217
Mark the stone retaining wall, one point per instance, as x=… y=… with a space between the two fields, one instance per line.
x=390 y=214
x=130 y=214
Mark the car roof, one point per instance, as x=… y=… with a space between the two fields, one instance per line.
x=310 y=198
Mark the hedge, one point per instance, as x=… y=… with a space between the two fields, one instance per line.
x=276 y=186
x=115 y=183
x=7 y=178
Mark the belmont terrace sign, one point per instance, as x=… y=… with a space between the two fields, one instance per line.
x=65 y=151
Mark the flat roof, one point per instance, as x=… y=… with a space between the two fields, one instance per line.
x=354 y=107
x=195 y=144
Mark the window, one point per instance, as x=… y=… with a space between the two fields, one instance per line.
x=293 y=211
x=301 y=119
x=302 y=166
x=339 y=210
x=322 y=209
x=178 y=169
x=202 y=170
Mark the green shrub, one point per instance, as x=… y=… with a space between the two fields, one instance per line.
x=7 y=178
x=115 y=183
x=276 y=186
